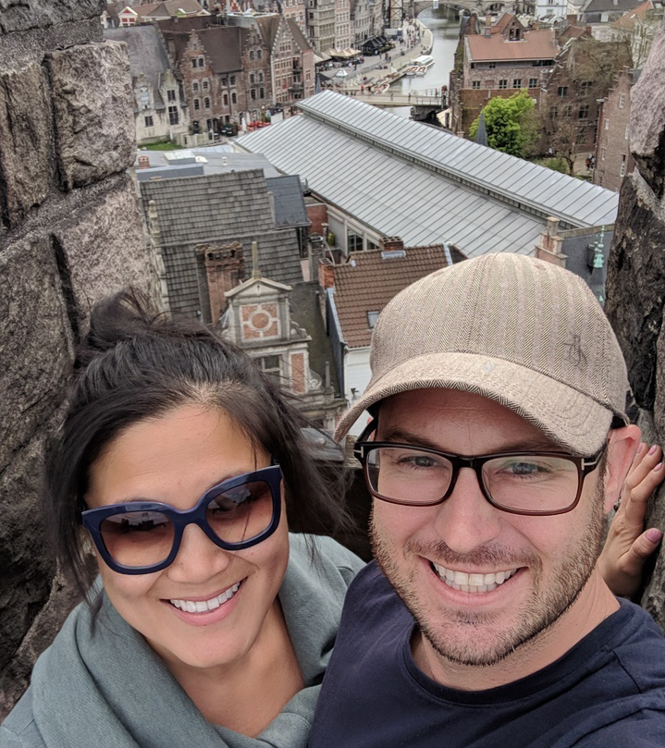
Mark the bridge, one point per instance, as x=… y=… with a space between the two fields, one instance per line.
x=450 y=9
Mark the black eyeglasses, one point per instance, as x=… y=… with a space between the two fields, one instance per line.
x=139 y=537
x=528 y=483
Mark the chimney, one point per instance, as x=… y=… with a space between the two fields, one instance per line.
x=144 y=161
x=391 y=243
x=550 y=247
x=225 y=269
x=488 y=25
x=326 y=274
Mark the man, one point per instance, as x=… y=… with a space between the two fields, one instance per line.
x=498 y=443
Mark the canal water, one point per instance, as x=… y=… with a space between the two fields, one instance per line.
x=446 y=37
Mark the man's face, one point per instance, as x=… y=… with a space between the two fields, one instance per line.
x=513 y=575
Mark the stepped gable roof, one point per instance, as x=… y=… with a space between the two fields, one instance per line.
x=146 y=55
x=217 y=209
x=369 y=280
x=222 y=44
x=397 y=177
x=537 y=44
x=268 y=27
x=299 y=37
x=288 y=200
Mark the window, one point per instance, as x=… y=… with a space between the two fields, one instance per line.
x=225 y=81
x=195 y=87
x=271 y=365
x=603 y=153
x=533 y=82
x=607 y=124
x=562 y=91
x=206 y=85
x=260 y=77
x=202 y=62
x=622 y=100
x=170 y=95
x=197 y=105
x=258 y=54
x=475 y=84
x=251 y=54
x=354 y=242
x=503 y=83
x=554 y=112
x=251 y=78
x=206 y=103
x=583 y=112
x=622 y=171
x=195 y=62
x=227 y=119
x=225 y=99
x=626 y=132
x=371 y=319
x=234 y=97
x=148 y=121
x=262 y=93
x=492 y=65
x=517 y=83
x=232 y=80
x=173 y=115
x=252 y=94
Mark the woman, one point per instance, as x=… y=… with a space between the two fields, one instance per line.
x=182 y=461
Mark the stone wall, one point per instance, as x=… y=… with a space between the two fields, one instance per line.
x=70 y=232
x=636 y=279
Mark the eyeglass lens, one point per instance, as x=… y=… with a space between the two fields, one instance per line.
x=145 y=538
x=518 y=482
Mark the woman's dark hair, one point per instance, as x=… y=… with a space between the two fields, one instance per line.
x=134 y=365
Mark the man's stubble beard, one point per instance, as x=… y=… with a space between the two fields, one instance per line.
x=541 y=610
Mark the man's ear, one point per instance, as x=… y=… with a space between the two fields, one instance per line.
x=621 y=447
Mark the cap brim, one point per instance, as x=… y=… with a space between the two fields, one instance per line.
x=570 y=418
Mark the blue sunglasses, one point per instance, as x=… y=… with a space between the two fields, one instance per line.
x=140 y=537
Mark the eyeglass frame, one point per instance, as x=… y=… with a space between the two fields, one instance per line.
x=92 y=519
x=585 y=465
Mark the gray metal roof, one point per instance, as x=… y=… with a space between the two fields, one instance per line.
x=402 y=178
x=219 y=159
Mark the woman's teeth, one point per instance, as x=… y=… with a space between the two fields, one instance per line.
x=460 y=580
x=204 y=606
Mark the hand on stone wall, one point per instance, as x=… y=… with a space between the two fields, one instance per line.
x=627 y=547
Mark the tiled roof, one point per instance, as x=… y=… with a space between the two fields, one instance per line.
x=289 y=202
x=299 y=37
x=610 y=6
x=146 y=54
x=628 y=20
x=217 y=209
x=369 y=281
x=168 y=8
x=268 y=27
x=536 y=45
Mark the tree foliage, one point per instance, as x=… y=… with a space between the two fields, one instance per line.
x=510 y=124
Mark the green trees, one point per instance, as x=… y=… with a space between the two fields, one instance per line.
x=510 y=124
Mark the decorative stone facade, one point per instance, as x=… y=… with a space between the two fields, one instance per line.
x=70 y=233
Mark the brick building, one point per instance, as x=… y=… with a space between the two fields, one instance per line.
x=225 y=70
x=504 y=59
x=290 y=56
x=584 y=72
x=613 y=157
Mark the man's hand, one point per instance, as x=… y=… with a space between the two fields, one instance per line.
x=627 y=547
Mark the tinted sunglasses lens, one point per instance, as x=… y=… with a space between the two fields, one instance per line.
x=138 y=538
x=240 y=513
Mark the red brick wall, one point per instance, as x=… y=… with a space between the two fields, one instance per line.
x=318 y=215
x=613 y=151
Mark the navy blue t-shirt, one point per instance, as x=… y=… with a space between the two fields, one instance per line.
x=607 y=691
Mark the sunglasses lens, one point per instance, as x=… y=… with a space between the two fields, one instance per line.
x=240 y=513
x=138 y=538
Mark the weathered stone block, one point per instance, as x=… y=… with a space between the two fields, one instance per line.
x=647 y=118
x=25 y=142
x=92 y=98
x=20 y=15
x=104 y=250
x=636 y=284
x=36 y=343
x=26 y=569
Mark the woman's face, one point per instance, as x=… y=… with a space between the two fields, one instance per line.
x=174 y=459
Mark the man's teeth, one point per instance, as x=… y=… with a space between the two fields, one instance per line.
x=460 y=580
x=204 y=606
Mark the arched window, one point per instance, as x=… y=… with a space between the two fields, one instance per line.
x=195 y=87
x=234 y=97
x=261 y=93
x=205 y=85
x=206 y=102
x=197 y=105
x=251 y=54
x=226 y=99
